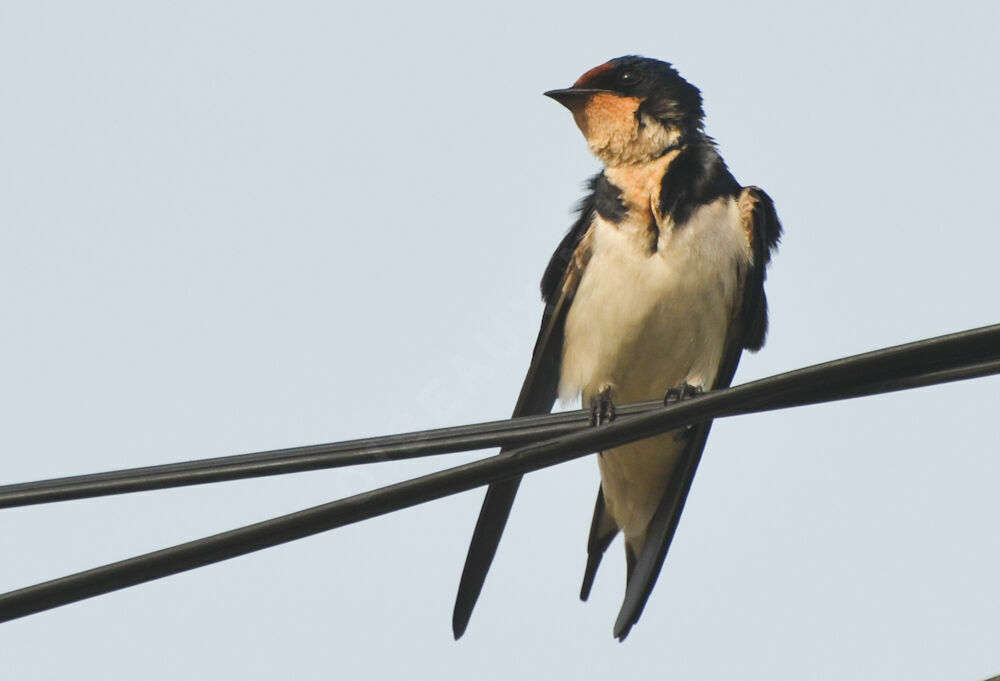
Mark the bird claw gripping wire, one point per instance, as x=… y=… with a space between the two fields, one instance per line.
x=678 y=394
x=602 y=406
x=683 y=392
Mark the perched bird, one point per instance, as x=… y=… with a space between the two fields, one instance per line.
x=656 y=290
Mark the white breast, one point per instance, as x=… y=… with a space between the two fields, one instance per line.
x=642 y=322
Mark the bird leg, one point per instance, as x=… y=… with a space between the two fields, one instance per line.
x=683 y=392
x=675 y=395
x=602 y=406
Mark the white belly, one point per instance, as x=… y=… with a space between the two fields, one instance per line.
x=642 y=322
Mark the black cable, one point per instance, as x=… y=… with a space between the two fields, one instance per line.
x=511 y=432
x=900 y=364
x=963 y=355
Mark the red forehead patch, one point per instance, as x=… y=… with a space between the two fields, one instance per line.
x=592 y=73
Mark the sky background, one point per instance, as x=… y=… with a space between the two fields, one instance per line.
x=230 y=227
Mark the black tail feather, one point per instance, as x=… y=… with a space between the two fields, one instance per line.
x=602 y=530
x=642 y=577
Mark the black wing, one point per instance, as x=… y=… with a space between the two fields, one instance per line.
x=747 y=331
x=538 y=393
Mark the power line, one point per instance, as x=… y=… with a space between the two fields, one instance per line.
x=511 y=432
x=897 y=374
x=947 y=358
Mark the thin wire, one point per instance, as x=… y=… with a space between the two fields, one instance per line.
x=901 y=364
x=511 y=432
x=810 y=385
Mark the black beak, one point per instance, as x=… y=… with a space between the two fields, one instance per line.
x=573 y=98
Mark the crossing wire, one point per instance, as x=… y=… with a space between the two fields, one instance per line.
x=959 y=356
x=946 y=351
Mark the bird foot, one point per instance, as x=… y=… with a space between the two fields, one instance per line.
x=684 y=392
x=602 y=406
x=676 y=395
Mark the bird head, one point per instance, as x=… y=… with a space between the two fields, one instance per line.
x=633 y=109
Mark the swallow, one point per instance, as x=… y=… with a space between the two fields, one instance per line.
x=655 y=292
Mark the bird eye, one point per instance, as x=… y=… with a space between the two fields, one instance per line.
x=629 y=77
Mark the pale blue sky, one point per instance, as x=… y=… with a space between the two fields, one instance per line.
x=228 y=227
